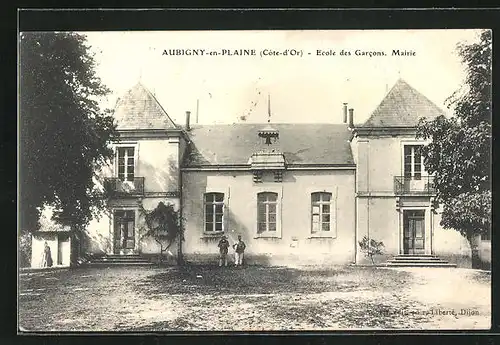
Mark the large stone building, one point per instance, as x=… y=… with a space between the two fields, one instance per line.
x=305 y=193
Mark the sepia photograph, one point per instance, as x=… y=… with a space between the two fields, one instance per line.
x=236 y=181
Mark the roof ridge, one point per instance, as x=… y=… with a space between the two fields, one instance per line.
x=158 y=103
x=139 y=108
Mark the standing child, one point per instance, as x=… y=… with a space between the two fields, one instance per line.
x=223 y=249
x=239 y=250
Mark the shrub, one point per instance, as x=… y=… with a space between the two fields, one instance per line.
x=371 y=247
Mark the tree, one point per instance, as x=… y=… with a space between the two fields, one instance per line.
x=163 y=224
x=63 y=132
x=460 y=147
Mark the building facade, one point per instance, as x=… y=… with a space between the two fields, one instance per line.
x=305 y=193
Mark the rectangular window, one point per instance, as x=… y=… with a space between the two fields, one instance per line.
x=126 y=163
x=267 y=212
x=413 y=161
x=321 y=212
x=214 y=212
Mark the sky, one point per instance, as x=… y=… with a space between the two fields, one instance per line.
x=302 y=89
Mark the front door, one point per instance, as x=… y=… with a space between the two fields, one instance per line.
x=124 y=232
x=414 y=232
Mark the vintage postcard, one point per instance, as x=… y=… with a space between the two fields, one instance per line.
x=254 y=180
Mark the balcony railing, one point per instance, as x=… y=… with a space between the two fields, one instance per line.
x=414 y=185
x=118 y=187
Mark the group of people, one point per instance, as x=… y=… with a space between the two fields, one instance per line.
x=239 y=250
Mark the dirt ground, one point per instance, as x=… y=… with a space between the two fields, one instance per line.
x=202 y=298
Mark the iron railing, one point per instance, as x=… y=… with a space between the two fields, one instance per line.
x=423 y=185
x=118 y=187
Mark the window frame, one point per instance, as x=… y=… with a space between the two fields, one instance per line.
x=413 y=143
x=320 y=203
x=267 y=214
x=124 y=145
x=278 y=204
x=214 y=204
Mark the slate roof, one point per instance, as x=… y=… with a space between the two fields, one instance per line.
x=403 y=106
x=139 y=109
x=234 y=144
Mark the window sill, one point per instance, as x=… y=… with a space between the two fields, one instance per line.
x=322 y=236
x=212 y=234
x=268 y=236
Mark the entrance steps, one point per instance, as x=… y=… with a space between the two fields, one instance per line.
x=424 y=260
x=119 y=260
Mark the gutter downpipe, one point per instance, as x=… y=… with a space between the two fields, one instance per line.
x=368 y=193
x=355 y=218
x=180 y=259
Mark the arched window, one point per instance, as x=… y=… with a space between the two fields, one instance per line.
x=321 y=212
x=214 y=212
x=267 y=203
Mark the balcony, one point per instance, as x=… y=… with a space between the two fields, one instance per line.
x=414 y=186
x=120 y=188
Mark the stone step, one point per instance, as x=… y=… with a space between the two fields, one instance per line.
x=418 y=261
x=107 y=264
x=120 y=258
x=413 y=258
x=419 y=264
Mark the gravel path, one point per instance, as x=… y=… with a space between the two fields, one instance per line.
x=254 y=298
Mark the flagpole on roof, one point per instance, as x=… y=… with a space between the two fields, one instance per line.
x=268 y=108
x=197 y=109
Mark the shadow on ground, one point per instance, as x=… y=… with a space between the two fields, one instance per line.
x=269 y=280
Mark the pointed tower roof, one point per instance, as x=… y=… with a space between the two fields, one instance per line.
x=139 y=109
x=403 y=106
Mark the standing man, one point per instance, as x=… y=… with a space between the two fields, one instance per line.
x=239 y=250
x=223 y=249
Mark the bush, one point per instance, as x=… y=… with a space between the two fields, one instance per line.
x=371 y=247
x=25 y=250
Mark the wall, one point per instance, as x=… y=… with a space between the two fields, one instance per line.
x=295 y=242
x=38 y=245
x=379 y=159
x=100 y=230
x=378 y=219
x=157 y=160
x=158 y=163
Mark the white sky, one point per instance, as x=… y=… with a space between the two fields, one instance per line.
x=303 y=89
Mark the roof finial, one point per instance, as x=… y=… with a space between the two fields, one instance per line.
x=268 y=108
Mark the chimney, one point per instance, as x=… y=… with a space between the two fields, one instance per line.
x=345 y=112
x=351 y=118
x=188 y=116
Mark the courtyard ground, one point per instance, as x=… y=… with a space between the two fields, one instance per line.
x=203 y=298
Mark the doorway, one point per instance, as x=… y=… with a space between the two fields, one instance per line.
x=414 y=232
x=124 y=231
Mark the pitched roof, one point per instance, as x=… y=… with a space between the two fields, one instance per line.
x=301 y=144
x=403 y=106
x=139 y=109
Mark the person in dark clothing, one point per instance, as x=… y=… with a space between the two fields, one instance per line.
x=47 y=256
x=223 y=249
